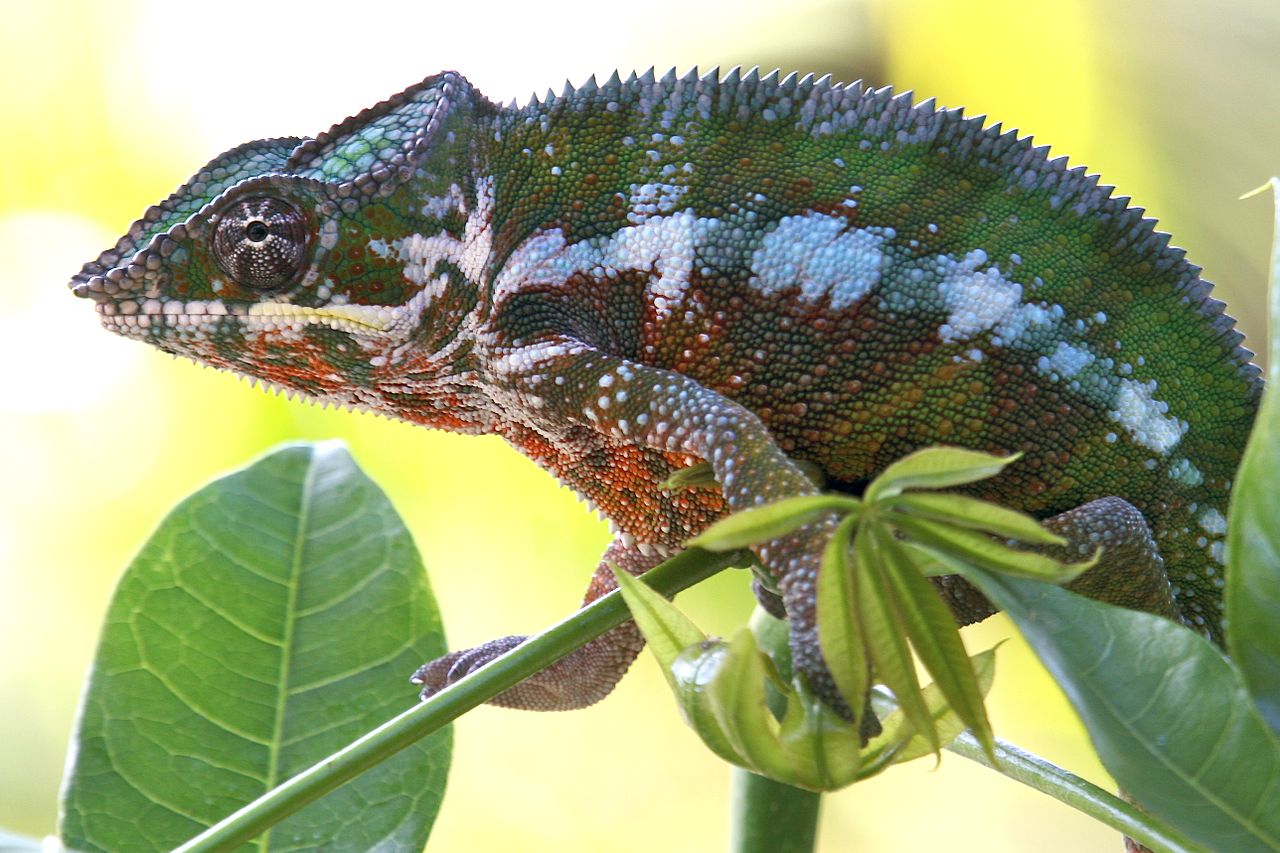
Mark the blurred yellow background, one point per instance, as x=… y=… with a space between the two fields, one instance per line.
x=107 y=107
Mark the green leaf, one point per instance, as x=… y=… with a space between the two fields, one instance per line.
x=936 y=638
x=839 y=636
x=1253 y=538
x=722 y=690
x=770 y=521
x=935 y=468
x=976 y=514
x=824 y=749
x=1169 y=716
x=984 y=552
x=946 y=720
x=271 y=619
x=736 y=697
x=699 y=476
x=881 y=623
x=692 y=672
x=665 y=628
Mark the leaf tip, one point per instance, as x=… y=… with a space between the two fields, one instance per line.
x=1269 y=184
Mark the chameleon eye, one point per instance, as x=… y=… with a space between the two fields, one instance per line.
x=260 y=242
x=256 y=231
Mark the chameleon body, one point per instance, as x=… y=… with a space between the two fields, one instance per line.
x=635 y=277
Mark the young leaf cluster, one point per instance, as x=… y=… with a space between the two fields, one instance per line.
x=724 y=688
x=875 y=606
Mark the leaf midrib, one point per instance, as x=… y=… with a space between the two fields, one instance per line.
x=286 y=641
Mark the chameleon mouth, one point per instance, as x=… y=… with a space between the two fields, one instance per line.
x=131 y=315
x=352 y=318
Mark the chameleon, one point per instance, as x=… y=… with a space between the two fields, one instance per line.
x=767 y=276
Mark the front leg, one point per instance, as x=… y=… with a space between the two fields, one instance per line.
x=567 y=383
x=575 y=681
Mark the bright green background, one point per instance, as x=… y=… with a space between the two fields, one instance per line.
x=107 y=107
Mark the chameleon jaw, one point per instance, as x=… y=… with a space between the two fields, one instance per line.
x=127 y=316
x=347 y=318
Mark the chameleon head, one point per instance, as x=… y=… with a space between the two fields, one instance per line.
x=286 y=259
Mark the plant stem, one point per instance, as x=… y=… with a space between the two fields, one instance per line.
x=764 y=815
x=537 y=653
x=771 y=817
x=1081 y=795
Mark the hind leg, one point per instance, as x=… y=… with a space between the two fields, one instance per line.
x=1130 y=572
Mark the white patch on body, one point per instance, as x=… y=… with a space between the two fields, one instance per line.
x=423 y=254
x=666 y=245
x=1182 y=471
x=982 y=299
x=976 y=300
x=1213 y=522
x=649 y=200
x=329 y=234
x=1067 y=361
x=663 y=246
x=823 y=256
x=440 y=206
x=1145 y=418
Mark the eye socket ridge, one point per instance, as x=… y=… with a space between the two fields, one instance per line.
x=261 y=242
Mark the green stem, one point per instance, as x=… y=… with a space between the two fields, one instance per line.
x=1083 y=796
x=682 y=571
x=767 y=816
x=771 y=817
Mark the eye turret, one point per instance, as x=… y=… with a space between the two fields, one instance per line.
x=261 y=242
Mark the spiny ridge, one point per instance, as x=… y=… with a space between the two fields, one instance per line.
x=821 y=107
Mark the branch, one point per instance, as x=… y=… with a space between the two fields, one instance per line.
x=1081 y=795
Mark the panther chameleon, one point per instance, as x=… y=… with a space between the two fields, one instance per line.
x=631 y=278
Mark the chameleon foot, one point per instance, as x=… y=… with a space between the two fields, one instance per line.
x=438 y=674
x=575 y=681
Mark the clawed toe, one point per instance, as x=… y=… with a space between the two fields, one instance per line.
x=438 y=674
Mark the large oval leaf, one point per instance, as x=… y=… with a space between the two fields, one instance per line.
x=1168 y=714
x=273 y=618
x=1253 y=540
